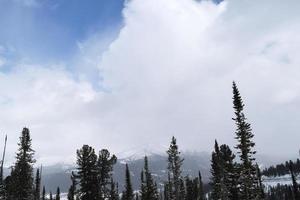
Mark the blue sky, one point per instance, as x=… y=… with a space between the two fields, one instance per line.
x=48 y=30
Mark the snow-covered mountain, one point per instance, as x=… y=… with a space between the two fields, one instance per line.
x=59 y=174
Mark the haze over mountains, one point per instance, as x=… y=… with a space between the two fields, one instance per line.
x=59 y=174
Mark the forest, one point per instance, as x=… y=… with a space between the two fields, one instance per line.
x=234 y=176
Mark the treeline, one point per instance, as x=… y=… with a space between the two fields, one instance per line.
x=282 y=169
x=233 y=177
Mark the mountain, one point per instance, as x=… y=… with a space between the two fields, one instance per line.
x=59 y=174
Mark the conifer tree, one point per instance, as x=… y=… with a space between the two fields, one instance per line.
x=87 y=173
x=174 y=168
x=37 y=189
x=201 y=189
x=244 y=136
x=190 y=190
x=44 y=193
x=148 y=187
x=128 y=192
x=105 y=167
x=9 y=187
x=23 y=170
x=50 y=196
x=216 y=173
x=260 y=184
x=182 y=189
x=114 y=191
x=228 y=173
x=57 y=196
x=295 y=184
x=72 y=189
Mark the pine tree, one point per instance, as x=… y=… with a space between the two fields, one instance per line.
x=72 y=189
x=128 y=192
x=201 y=189
x=105 y=167
x=23 y=170
x=229 y=173
x=50 y=196
x=57 y=196
x=114 y=191
x=260 y=184
x=216 y=173
x=190 y=190
x=87 y=174
x=182 y=189
x=148 y=187
x=247 y=170
x=295 y=184
x=174 y=168
x=37 y=189
x=44 y=193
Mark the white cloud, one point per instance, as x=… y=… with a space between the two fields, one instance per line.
x=169 y=72
x=172 y=66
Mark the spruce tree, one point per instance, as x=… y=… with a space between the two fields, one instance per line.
x=216 y=173
x=190 y=190
x=50 y=196
x=244 y=136
x=23 y=170
x=174 y=168
x=148 y=187
x=105 y=167
x=128 y=192
x=72 y=189
x=37 y=189
x=294 y=182
x=114 y=191
x=44 y=193
x=57 y=196
x=87 y=174
x=229 y=173
x=182 y=189
x=260 y=184
x=201 y=189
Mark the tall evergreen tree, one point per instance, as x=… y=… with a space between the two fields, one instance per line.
x=72 y=189
x=148 y=187
x=23 y=170
x=174 y=168
x=44 y=193
x=260 y=184
x=294 y=182
x=128 y=192
x=57 y=196
x=229 y=173
x=105 y=167
x=37 y=189
x=191 y=194
x=216 y=173
x=247 y=170
x=114 y=190
x=87 y=173
x=201 y=189
x=50 y=196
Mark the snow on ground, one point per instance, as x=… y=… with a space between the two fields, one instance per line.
x=282 y=180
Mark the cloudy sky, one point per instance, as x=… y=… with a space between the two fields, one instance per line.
x=130 y=74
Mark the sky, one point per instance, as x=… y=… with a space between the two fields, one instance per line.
x=129 y=75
